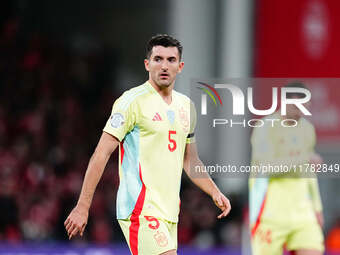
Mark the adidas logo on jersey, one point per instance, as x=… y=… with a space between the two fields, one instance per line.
x=157 y=117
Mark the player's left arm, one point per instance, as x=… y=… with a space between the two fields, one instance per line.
x=203 y=180
x=316 y=199
x=313 y=184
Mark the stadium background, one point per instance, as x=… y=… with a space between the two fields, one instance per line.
x=62 y=64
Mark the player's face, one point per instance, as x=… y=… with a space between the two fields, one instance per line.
x=163 y=65
x=293 y=112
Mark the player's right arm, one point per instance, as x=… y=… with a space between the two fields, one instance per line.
x=77 y=220
x=313 y=181
x=121 y=121
x=316 y=199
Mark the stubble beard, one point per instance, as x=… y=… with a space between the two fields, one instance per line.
x=163 y=83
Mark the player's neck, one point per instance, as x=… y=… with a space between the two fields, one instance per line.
x=164 y=91
x=289 y=123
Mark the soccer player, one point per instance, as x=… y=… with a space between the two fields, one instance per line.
x=153 y=125
x=285 y=210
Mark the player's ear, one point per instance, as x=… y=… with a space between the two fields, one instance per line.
x=146 y=64
x=181 y=65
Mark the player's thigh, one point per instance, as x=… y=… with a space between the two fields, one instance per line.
x=156 y=236
x=306 y=239
x=148 y=236
x=268 y=240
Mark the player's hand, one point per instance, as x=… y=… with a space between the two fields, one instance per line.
x=315 y=159
x=76 y=222
x=223 y=203
x=319 y=218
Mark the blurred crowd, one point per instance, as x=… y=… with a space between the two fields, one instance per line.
x=54 y=103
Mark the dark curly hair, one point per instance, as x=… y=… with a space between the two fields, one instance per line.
x=165 y=41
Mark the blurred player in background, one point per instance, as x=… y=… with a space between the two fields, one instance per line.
x=285 y=209
x=153 y=125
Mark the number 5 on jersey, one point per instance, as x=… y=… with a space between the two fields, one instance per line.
x=172 y=145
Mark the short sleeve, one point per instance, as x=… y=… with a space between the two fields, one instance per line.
x=122 y=119
x=193 y=120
